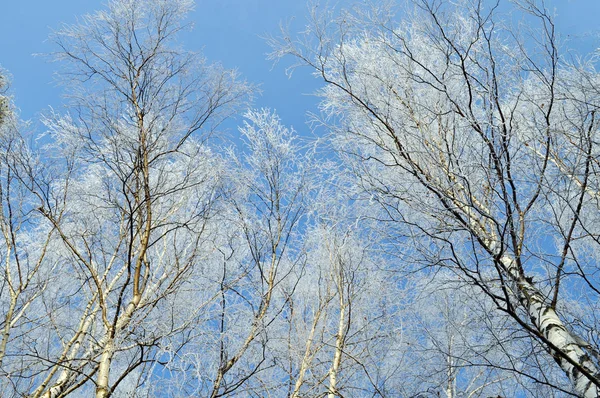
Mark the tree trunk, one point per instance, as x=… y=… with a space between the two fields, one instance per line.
x=8 y=320
x=549 y=325
x=306 y=359
x=339 y=348
x=102 y=383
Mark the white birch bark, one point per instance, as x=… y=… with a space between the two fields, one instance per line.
x=450 y=383
x=551 y=327
x=308 y=355
x=543 y=316
x=70 y=351
x=102 y=382
x=339 y=348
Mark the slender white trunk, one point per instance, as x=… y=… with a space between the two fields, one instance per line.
x=306 y=360
x=102 y=382
x=68 y=355
x=13 y=302
x=8 y=321
x=450 y=372
x=108 y=348
x=339 y=348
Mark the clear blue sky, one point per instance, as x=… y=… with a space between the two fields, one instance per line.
x=225 y=30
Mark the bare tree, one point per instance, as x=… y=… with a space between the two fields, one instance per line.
x=481 y=142
x=125 y=196
x=460 y=347
x=138 y=260
x=340 y=317
x=24 y=249
x=270 y=186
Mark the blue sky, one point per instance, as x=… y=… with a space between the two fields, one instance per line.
x=228 y=31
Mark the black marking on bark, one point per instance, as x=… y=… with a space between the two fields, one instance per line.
x=546 y=310
x=546 y=330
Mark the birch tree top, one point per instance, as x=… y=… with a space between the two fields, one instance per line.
x=229 y=31
x=437 y=235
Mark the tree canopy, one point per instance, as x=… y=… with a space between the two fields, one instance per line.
x=437 y=236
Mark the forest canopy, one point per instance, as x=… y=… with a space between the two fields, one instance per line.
x=436 y=235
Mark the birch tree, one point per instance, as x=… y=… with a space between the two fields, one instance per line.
x=270 y=185
x=26 y=271
x=341 y=317
x=127 y=196
x=482 y=142
x=458 y=346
